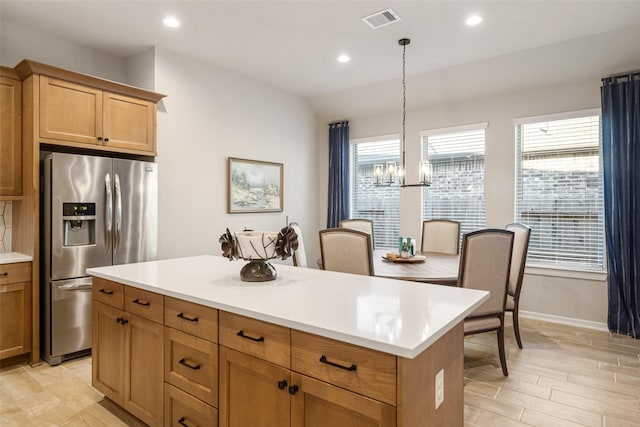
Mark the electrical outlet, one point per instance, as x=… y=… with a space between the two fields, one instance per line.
x=439 y=388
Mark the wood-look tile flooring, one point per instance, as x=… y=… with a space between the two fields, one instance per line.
x=564 y=376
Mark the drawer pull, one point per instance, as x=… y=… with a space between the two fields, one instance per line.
x=145 y=303
x=182 y=422
x=323 y=359
x=282 y=384
x=188 y=365
x=293 y=389
x=104 y=291
x=5 y=274
x=190 y=319
x=122 y=320
x=241 y=334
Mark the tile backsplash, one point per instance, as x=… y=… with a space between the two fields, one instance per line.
x=6 y=208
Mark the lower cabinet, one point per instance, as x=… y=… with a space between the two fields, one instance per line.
x=253 y=392
x=15 y=309
x=128 y=358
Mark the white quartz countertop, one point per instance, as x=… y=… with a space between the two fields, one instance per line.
x=397 y=317
x=11 y=257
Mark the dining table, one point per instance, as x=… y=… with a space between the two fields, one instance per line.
x=430 y=267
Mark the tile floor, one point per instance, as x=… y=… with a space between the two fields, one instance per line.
x=564 y=376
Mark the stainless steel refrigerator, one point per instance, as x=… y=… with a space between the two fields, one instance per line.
x=96 y=211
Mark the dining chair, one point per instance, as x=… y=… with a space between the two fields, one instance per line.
x=346 y=250
x=485 y=264
x=365 y=225
x=299 y=255
x=521 y=235
x=441 y=235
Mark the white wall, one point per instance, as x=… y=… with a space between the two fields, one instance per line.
x=18 y=43
x=560 y=296
x=209 y=114
x=212 y=114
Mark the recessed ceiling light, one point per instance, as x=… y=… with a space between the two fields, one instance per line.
x=344 y=58
x=170 y=21
x=474 y=20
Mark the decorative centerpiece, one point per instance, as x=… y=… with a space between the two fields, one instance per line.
x=258 y=247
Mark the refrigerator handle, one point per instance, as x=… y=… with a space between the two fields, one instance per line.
x=108 y=213
x=118 y=220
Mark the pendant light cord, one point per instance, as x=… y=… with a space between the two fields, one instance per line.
x=404 y=112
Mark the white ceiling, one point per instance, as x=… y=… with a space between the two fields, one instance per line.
x=293 y=45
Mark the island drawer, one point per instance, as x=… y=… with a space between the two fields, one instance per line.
x=15 y=273
x=149 y=305
x=191 y=364
x=181 y=409
x=194 y=319
x=108 y=292
x=260 y=339
x=365 y=371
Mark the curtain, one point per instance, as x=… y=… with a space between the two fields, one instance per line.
x=621 y=164
x=338 y=202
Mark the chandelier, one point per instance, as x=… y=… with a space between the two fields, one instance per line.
x=390 y=173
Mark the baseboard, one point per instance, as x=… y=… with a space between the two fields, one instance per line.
x=580 y=323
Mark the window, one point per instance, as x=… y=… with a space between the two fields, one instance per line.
x=559 y=189
x=457 y=184
x=368 y=201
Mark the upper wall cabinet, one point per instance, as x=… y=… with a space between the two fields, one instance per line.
x=82 y=111
x=10 y=131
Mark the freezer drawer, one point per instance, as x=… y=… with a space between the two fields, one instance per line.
x=70 y=316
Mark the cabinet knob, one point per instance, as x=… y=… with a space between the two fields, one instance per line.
x=282 y=384
x=293 y=389
x=99 y=138
x=106 y=140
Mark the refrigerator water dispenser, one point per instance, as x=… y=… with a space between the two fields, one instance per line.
x=79 y=224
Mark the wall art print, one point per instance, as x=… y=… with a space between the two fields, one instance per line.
x=254 y=186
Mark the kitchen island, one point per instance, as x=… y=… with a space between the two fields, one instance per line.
x=185 y=342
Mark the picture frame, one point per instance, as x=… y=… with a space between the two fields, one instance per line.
x=254 y=186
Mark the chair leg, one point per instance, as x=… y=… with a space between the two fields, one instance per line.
x=503 y=359
x=516 y=325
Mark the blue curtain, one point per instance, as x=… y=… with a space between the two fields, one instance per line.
x=621 y=166
x=338 y=203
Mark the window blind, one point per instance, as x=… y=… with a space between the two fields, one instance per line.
x=368 y=201
x=559 y=191
x=457 y=185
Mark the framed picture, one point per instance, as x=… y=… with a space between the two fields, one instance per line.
x=254 y=186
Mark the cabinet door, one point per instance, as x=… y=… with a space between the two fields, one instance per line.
x=15 y=319
x=318 y=404
x=143 y=369
x=10 y=140
x=107 y=364
x=252 y=392
x=70 y=112
x=129 y=123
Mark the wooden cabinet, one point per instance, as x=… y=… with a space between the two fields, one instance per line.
x=128 y=349
x=253 y=392
x=191 y=364
x=262 y=379
x=10 y=135
x=15 y=309
x=75 y=113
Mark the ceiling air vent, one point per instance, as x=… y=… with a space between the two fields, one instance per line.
x=382 y=18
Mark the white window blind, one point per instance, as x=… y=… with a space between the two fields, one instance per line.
x=559 y=191
x=457 y=183
x=368 y=201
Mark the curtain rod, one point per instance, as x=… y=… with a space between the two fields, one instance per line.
x=620 y=75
